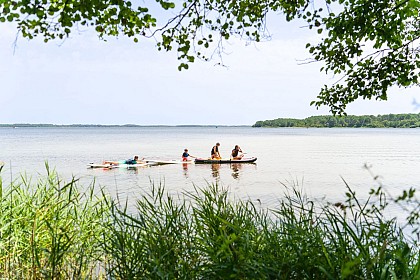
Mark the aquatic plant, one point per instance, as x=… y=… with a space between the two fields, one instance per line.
x=207 y=234
x=51 y=230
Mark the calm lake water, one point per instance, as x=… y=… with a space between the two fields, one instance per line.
x=316 y=160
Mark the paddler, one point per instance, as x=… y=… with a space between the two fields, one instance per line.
x=215 y=154
x=186 y=156
x=235 y=153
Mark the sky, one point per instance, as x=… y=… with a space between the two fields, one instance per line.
x=84 y=80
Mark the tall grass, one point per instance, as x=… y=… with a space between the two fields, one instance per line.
x=51 y=230
x=206 y=235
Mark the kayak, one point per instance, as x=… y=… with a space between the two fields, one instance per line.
x=209 y=160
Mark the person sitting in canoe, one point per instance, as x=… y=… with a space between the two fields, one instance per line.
x=235 y=153
x=215 y=152
x=135 y=160
x=186 y=156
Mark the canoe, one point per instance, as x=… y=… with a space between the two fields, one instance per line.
x=209 y=160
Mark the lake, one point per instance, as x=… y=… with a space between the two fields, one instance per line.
x=316 y=160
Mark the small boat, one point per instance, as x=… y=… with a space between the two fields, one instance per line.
x=209 y=160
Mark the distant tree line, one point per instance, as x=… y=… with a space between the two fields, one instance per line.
x=390 y=120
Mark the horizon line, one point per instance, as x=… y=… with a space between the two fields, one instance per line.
x=116 y=125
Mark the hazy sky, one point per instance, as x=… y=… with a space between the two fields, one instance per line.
x=85 y=80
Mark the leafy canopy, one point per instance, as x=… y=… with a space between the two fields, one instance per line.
x=369 y=46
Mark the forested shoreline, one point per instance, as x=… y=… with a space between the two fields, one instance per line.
x=390 y=120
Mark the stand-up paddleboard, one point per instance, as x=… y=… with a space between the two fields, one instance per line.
x=160 y=162
x=122 y=165
x=99 y=165
x=133 y=165
x=209 y=160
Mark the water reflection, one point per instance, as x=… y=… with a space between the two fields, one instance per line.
x=133 y=169
x=215 y=170
x=120 y=170
x=185 y=169
x=220 y=171
x=236 y=167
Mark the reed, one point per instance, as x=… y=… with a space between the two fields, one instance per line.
x=52 y=230
x=208 y=235
x=49 y=230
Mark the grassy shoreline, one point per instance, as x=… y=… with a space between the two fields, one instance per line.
x=51 y=230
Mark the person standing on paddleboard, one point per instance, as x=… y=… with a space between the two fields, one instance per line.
x=215 y=152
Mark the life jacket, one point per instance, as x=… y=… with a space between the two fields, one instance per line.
x=235 y=152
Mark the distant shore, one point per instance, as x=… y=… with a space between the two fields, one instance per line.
x=16 y=125
x=368 y=121
x=328 y=121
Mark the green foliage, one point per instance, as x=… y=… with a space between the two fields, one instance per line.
x=52 y=231
x=49 y=230
x=370 y=45
x=373 y=46
x=391 y=120
x=57 y=19
x=153 y=243
x=207 y=235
